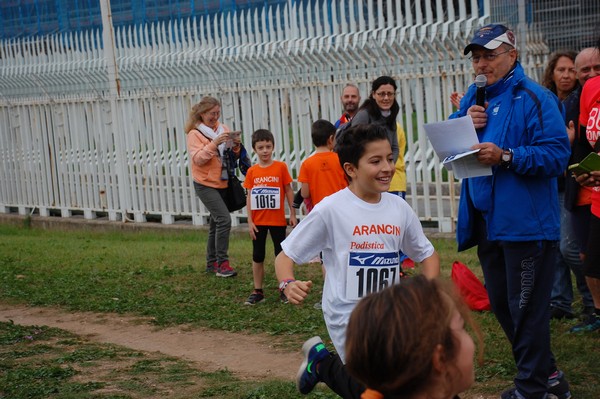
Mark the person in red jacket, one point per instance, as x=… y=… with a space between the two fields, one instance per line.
x=589 y=122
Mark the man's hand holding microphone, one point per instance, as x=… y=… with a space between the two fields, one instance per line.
x=477 y=111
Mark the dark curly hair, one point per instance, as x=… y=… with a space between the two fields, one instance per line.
x=547 y=79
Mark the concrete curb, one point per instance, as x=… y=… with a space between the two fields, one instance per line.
x=75 y=223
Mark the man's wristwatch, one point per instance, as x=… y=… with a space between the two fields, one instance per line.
x=284 y=284
x=506 y=159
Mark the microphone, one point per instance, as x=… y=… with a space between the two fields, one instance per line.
x=480 y=82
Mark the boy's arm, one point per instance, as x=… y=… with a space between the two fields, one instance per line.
x=251 y=227
x=305 y=190
x=431 y=266
x=289 y=194
x=295 y=290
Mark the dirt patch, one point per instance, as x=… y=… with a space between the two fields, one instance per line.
x=246 y=356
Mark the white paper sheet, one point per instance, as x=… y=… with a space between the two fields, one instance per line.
x=452 y=141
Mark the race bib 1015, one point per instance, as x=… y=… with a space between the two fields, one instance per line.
x=265 y=198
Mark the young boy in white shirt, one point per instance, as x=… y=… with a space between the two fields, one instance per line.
x=360 y=231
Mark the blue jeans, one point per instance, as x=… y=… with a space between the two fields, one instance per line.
x=217 y=246
x=568 y=260
x=518 y=277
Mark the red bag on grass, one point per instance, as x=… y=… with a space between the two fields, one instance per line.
x=471 y=289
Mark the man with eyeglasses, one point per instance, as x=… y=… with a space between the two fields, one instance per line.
x=513 y=216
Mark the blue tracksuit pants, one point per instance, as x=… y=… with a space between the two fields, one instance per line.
x=518 y=277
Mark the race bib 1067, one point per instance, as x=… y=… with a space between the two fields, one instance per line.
x=370 y=272
x=265 y=198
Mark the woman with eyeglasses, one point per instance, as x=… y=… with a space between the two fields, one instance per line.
x=214 y=153
x=382 y=108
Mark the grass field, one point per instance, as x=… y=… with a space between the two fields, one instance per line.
x=161 y=275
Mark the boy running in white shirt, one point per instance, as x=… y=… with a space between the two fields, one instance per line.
x=360 y=231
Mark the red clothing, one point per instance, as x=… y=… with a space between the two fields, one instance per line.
x=345 y=118
x=324 y=175
x=589 y=116
x=266 y=188
x=584 y=196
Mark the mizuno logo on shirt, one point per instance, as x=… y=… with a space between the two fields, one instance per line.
x=374 y=258
x=265 y=190
x=362 y=259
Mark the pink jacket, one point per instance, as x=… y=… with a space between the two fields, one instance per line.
x=205 y=161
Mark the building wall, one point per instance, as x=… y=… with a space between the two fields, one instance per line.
x=24 y=18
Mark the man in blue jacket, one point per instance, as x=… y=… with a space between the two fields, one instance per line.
x=513 y=216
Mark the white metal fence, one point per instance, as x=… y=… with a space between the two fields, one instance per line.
x=69 y=145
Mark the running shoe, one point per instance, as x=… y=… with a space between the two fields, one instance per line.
x=212 y=267
x=254 y=298
x=314 y=351
x=511 y=394
x=559 y=314
x=558 y=387
x=225 y=270
x=590 y=323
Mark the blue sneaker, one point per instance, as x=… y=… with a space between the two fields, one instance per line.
x=558 y=387
x=511 y=394
x=591 y=323
x=314 y=351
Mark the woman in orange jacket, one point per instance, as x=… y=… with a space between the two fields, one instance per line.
x=214 y=153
